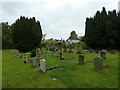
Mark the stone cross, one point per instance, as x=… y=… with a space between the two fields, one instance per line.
x=81 y=59
x=98 y=62
x=43 y=65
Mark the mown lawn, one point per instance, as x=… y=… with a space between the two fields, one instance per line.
x=16 y=74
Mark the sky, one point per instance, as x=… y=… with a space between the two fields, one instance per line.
x=57 y=17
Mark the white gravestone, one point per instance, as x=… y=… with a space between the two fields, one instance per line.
x=43 y=65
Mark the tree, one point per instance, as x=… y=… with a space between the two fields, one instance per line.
x=73 y=35
x=6 y=36
x=27 y=34
x=102 y=30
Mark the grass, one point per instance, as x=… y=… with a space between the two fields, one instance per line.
x=17 y=74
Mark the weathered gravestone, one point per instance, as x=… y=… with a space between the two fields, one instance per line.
x=90 y=50
x=81 y=59
x=27 y=58
x=18 y=55
x=65 y=49
x=112 y=52
x=70 y=51
x=35 y=62
x=43 y=65
x=97 y=51
x=98 y=62
x=103 y=54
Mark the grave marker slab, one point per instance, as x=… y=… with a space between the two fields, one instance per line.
x=35 y=62
x=43 y=65
x=81 y=59
x=98 y=62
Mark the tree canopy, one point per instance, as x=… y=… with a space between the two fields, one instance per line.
x=73 y=36
x=26 y=34
x=102 y=30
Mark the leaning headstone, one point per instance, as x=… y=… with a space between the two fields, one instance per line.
x=98 y=62
x=43 y=65
x=81 y=59
x=103 y=54
x=35 y=63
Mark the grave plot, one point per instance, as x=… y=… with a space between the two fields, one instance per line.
x=43 y=66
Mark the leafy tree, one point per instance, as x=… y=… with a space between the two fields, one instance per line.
x=27 y=34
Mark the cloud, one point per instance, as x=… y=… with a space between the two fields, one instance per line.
x=57 y=18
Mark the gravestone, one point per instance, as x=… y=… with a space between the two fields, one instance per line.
x=90 y=50
x=96 y=51
x=81 y=59
x=35 y=62
x=70 y=51
x=27 y=58
x=112 y=52
x=43 y=65
x=65 y=50
x=103 y=54
x=98 y=62
x=79 y=51
x=18 y=55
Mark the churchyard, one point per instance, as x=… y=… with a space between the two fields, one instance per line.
x=67 y=73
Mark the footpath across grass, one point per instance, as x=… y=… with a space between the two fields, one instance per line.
x=16 y=74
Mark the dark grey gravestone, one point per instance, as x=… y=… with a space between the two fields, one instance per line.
x=103 y=54
x=81 y=59
x=112 y=52
x=90 y=51
x=98 y=62
x=96 y=51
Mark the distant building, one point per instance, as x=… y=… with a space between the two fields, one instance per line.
x=119 y=6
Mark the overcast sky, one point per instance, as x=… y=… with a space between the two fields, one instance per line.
x=57 y=17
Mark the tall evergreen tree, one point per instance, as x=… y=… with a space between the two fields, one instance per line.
x=102 y=30
x=27 y=34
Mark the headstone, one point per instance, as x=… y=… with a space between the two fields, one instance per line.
x=103 y=54
x=43 y=65
x=98 y=62
x=79 y=51
x=27 y=58
x=35 y=63
x=96 y=51
x=18 y=55
x=81 y=59
x=112 y=51
x=65 y=50
x=90 y=50
x=70 y=51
